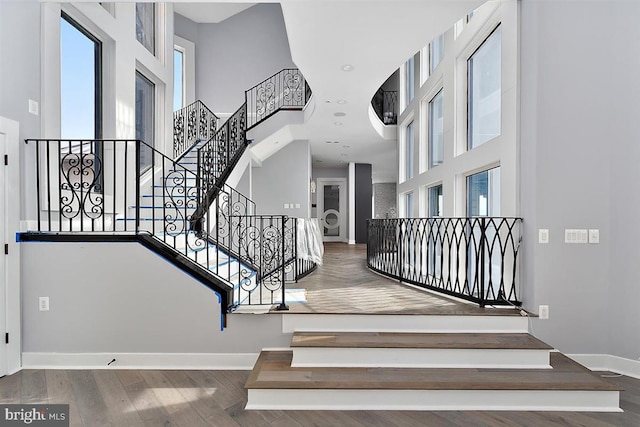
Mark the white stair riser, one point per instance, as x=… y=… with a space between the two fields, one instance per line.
x=433 y=400
x=420 y=358
x=403 y=323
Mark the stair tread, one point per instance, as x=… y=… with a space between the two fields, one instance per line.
x=273 y=371
x=519 y=341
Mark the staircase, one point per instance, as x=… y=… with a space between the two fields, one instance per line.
x=415 y=362
x=178 y=207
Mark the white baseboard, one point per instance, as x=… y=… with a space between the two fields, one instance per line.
x=160 y=361
x=352 y=241
x=608 y=362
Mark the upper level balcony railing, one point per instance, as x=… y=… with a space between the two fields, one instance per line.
x=385 y=104
x=191 y=124
x=470 y=258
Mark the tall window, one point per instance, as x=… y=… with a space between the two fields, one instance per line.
x=145 y=114
x=435 y=201
x=436 y=52
x=485 y=91
x=408 y=152
x=436 y=130
x=483 y=193
x=178 y=79
x=408 y=205
x=409 y=81
x=80 y=82
x=146 y=25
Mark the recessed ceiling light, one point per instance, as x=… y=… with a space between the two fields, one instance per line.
x=328 y=142
x=338 y=123
x=277 y=142
x=336 y=142
x=318 y=161
x=328 y=101
x=342 y=101
x=345 y=146
x=339 y=114
x=347 y=67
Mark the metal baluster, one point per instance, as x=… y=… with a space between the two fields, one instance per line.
x=137 y=205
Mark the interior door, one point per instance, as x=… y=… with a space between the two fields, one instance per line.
x=3 y=260
x=332 y=209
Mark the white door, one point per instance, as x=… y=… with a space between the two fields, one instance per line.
x=332 y=208
x=3 y=258
x=9 y=264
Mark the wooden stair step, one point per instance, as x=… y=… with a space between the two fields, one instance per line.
x=419 y=350
x=273 y=369
x=275 y=385
x=519 y=341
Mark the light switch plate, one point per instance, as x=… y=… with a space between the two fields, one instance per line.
x=576 y=236
x=543 y=235
x=34 y=107
x=594 y=236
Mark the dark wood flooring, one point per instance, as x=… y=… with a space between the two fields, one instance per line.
x=217 y=398
x=344 y=284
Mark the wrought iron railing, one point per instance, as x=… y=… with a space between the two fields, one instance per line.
x=471 y=258
x=94 y=186
x=385 y=104
x=192 y=124
x=285 y=90
x=218 y=156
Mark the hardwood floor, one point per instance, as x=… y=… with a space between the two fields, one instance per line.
x=344 y=284
x=217 y=398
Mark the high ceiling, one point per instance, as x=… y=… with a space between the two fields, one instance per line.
x=374 y=37
x=210 y=12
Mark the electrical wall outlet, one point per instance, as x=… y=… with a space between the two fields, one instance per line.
x=43 y=303
x=543 y=312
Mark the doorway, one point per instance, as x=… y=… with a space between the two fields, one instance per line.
x=332 y=208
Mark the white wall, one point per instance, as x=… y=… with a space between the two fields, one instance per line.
x=238 y=53
x=21 y=21
x=122 y=298
x=451 y=76
x=283 y=179
x=579 y=168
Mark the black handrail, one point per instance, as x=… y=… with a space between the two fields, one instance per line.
x=470 y=258
x=285 y=90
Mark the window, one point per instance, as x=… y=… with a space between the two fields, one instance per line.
x=80 y=82
x=409 y=81
x=145 y=118
x=483 y=193
x=484 y=106
x=408 y=205
x=178 y=79
x=146 y=25
x=435 y=201
x=436 y=130
x=436 y=52
x=408 y=152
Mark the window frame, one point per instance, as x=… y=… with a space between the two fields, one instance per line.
x=98 y=73
x=154 y=31
x=469 y=99
x=432 y=66
x=408 y=151
x=153 y=127
x=430 y=129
